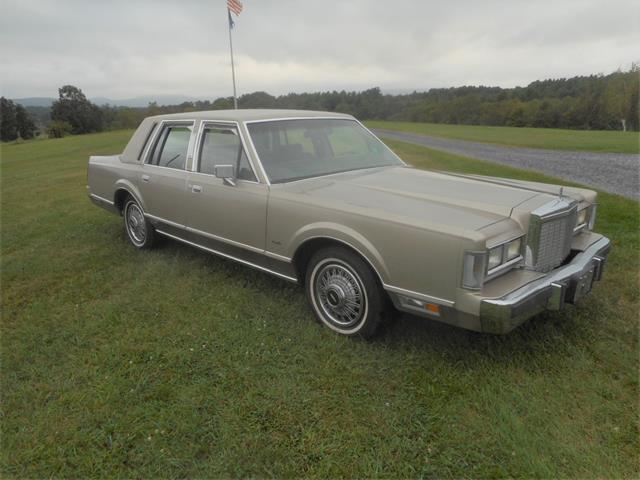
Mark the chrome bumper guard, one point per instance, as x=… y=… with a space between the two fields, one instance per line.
x=566 y=284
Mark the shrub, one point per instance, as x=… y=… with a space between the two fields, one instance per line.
x=58 y=129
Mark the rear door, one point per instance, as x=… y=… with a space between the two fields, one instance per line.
x=163 y=176
x=231 y=214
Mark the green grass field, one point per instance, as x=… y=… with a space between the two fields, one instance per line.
x=174 y=363
x=553 y=138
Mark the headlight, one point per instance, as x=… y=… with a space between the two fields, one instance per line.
x=503 y=254
x=495 y=257
x=586 y=218
x=513 y=249
x=478 y=266
x=582 y=218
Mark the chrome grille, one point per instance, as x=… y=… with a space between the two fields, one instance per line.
x=550 y=234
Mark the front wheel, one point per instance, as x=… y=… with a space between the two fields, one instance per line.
x=139 y=230
x=344 y=293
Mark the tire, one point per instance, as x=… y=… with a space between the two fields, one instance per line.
x=139 y=230
x=344 y=292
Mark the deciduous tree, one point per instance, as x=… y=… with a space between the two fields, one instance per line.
x=8 y=122
x=26 y=128
x=73 y=107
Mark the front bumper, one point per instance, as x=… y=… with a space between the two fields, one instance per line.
x=565 y=284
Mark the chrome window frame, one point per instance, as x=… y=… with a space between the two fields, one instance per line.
x=230 y=257
x=284 y=119
x=152 y=143
x=198 y=147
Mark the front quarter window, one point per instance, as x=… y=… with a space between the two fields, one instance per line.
x=296 y=149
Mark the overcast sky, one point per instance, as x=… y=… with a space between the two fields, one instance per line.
x=120 y=49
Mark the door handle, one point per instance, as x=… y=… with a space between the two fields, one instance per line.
x=196 y=188
x=145 y=178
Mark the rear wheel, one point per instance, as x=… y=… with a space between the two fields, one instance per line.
x=344 y=293
x=139 y=230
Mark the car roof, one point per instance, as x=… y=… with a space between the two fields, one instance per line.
x=245 y=115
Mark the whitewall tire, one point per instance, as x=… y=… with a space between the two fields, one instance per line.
x=344 y=292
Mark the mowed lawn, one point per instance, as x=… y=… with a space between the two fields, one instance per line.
x=552 y=138
x=174 y=363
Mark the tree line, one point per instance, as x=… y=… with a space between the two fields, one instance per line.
x=594 y=102
x=15 y=122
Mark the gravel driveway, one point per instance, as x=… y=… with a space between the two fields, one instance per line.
x=612 y=172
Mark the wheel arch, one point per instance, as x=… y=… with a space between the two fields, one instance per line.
x=123 y=189
x=309 y=246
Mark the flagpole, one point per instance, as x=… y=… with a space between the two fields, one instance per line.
x=233 y=69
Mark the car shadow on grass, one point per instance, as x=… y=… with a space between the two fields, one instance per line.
x=557 y=332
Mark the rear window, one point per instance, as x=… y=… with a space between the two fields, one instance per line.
x=170 y=150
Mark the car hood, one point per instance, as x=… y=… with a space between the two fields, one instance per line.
x=415 y=196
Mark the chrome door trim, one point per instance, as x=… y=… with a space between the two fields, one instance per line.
x=420 y=296
x=168 y=222
x=228 y=241
x=230 y=257
x=196 y=151
x=224 y=240
x=166 y=168
x=102 y=199
x=275 y=256
x=238 y=180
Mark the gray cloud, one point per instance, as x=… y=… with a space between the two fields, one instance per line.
x=123 y=48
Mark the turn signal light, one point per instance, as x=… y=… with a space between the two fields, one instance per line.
x=432 y=307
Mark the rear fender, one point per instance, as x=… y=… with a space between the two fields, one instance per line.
x=128 y=186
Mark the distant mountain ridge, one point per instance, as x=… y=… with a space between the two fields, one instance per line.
x=161 y=100
x=142 y=101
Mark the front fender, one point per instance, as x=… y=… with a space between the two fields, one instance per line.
x=341 y=234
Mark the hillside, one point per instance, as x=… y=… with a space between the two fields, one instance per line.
x=595 y=102
x=172 y=362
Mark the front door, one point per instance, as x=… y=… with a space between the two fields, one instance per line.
x=233 y=215
x=163 y=178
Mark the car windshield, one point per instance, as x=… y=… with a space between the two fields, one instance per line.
x=296 y=149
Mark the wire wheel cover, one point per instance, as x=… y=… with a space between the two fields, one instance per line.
x=135 y=223
x=339 y=294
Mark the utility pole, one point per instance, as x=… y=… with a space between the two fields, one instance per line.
x=233 y=68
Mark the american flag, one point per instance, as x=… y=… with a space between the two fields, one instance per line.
x=234 y=6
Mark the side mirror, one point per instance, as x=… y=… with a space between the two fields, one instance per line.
x=226 y=172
